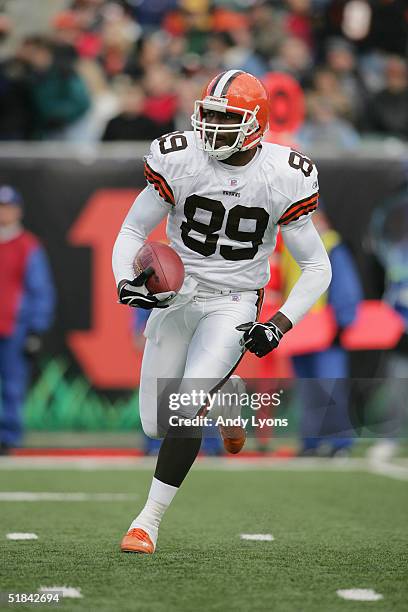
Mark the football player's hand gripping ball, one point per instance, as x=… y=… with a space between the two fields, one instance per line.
x=260 y=338
x=130 y=294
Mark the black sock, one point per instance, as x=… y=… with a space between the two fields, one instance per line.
x=177 y=454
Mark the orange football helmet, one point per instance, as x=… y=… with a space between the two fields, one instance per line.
x=233 y=91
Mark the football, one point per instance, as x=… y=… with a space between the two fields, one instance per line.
x=166 y=263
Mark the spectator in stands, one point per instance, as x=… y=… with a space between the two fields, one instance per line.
x=388 y=28
x=150 y=13
x=197 y=23
x=324 y=128
x=218 y=46
x=26 y=309
x=161 y=102
x=188 y=91
x=325 y=418
x=105 y=99
x=342 y=62
x=197 y=38
x=146 y=54
x=66 y=29
x=268 y=29
x=388 y=109
x=132 y=122
x=298 y=21
x=178 y=59
x=59 y=97
x=15 y=114
x=119 y=33
x=327 y=85
x=241 y=54
x=294 y=58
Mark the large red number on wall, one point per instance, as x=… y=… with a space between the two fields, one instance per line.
x=106 y=352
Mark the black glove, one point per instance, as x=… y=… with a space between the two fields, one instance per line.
x=33 y=344
x=260 y=338
x=131 y=297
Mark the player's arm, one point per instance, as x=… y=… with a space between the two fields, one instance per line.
x=147 y=211
x=302 y=241
x=306 y=247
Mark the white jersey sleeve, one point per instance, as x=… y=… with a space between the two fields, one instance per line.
x=304 y=243
x=169 y=166
x=296 y=182
x=146 y=213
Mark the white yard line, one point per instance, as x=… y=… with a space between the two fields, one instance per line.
x=33 y=496
x=203 y=463
x=65 y=591
x=359 y=594
x=22 y=536
x=398 y=470
x=386 y=468
x=74 y=463
x=261 y=537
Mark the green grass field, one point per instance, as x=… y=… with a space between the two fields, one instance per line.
x=332 y=530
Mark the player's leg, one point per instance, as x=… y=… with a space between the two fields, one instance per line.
x=213 y=354
x=164 y=357
x=218 y=358
x=213 y=360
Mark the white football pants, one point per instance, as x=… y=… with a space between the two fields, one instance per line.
x=195 y=338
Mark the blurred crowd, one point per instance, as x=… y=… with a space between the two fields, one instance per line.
x=118 y=70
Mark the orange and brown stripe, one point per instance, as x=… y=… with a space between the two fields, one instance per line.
x=159 y=183
x=302 y=207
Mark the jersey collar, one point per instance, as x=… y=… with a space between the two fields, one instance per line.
x=234 y=169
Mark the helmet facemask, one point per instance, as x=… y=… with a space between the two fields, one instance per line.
x=207 y=132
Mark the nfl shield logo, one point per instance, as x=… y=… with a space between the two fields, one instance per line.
x=233 y=182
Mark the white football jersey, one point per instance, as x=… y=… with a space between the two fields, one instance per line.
x=223 y=220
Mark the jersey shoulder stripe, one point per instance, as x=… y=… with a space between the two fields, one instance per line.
x=299 y=208
x=159 y=183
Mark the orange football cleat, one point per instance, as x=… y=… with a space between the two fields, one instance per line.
x=234 y=438
x=138 y=541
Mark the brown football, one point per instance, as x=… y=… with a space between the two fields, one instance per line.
x=166 y=263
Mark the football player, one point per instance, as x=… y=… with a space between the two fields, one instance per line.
x=225 y=195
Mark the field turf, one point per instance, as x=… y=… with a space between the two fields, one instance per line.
x=332 y=530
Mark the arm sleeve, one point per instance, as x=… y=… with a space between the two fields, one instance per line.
x=306 y=247
x=146 y=213
x=302 y=191
x=40 y=292
x=157 y=171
